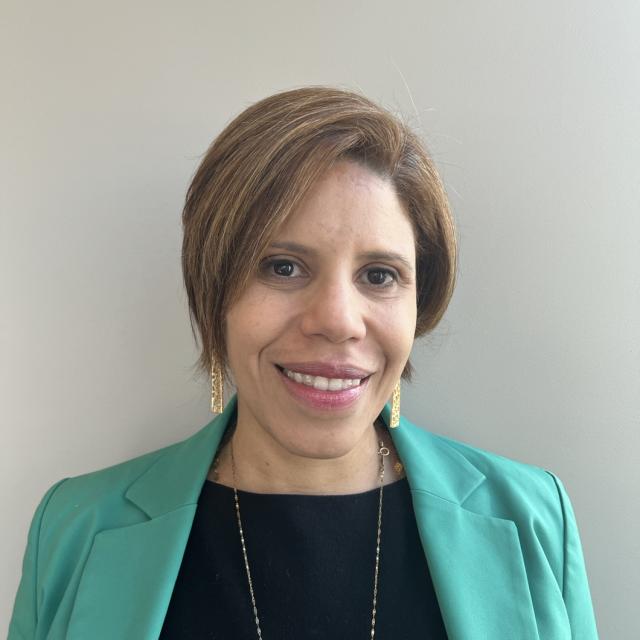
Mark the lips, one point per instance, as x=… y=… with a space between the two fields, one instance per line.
x=325 y=400
x=327 y=369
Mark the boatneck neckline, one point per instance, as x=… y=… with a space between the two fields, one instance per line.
x=227 y=489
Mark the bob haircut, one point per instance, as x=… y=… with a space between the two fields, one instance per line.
x=258 y=170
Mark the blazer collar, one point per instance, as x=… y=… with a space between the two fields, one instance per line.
x=431 y=464
x=176 y=479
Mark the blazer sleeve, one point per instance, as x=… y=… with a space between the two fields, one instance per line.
x=575 y=586
x=24 y=620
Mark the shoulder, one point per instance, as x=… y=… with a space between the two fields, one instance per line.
x=136 y=489
x=500 y=469
x=74 y=510
x=116 y=476
x=88 y=500
x=528 y=499
x=505 y=487
x=491 y=485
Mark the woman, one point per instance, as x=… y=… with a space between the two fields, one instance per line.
x=318 y=245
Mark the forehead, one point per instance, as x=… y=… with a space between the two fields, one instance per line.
x=350 y=205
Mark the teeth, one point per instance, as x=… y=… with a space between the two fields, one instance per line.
x=321 y=383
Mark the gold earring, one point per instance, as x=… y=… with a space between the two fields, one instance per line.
x=395 y=406
x=217 y=388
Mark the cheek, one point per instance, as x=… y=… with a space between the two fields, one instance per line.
x=404 y=338
x=252 y=323
x=395 y=335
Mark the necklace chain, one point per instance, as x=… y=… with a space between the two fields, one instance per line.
x=382 y=452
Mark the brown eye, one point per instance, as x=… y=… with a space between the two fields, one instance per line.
x=380 y=277
x=282 y=267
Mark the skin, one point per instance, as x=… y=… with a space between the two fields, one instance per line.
x=332 y=303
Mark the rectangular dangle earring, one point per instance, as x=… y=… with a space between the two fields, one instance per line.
x=395 y=406
x=217 y=388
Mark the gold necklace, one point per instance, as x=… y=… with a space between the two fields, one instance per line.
x=382 y=452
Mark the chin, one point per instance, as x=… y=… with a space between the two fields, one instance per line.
x=324 y=446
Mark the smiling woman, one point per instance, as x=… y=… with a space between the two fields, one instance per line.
x=318 y=245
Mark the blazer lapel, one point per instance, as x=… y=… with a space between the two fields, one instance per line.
x=475 y=560
x=128 y=579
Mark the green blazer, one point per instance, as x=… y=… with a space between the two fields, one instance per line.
x=500 y=538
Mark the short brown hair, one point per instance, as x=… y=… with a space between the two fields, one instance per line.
x=259 y=168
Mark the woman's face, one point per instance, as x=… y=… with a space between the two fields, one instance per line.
x=334 y=300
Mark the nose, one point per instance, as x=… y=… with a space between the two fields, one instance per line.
x=334 y=308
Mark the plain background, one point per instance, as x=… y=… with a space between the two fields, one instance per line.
x=531 y=111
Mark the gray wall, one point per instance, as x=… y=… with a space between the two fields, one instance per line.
x=532 y=113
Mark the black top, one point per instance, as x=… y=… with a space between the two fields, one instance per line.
x=312 y=562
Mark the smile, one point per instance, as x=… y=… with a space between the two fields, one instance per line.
x=321 y=393
x=320 y=382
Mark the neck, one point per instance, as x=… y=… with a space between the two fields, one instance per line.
x=266 y=467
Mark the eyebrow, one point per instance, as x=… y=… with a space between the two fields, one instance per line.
x=368 y=255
